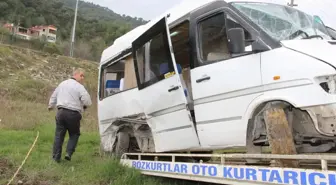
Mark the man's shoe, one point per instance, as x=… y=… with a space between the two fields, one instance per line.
x=57 y=160
x=67 y=157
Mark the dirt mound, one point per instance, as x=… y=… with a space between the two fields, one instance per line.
x=6 y=169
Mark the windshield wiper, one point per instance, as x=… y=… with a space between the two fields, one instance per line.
x=314 y=36
x=297 y=33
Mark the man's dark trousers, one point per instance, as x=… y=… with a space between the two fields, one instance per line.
x=66 y=120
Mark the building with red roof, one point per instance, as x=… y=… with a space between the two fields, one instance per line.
x=48 y=31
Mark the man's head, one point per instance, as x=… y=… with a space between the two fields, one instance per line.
x=78 y=75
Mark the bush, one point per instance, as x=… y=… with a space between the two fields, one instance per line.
x=52 y=48
x=4 y=31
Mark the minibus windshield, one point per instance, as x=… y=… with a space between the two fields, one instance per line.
x=283 y=22
x=332 y=32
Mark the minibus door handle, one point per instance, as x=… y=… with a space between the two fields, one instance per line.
x=173 y=88
x=203 y=79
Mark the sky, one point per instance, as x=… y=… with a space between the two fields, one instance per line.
x=148 y=9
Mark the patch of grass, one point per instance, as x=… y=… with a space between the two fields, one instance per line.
x=5 y=51
x=86 y=167
x=30 y=84
x=231 y=150
x=25 y=115
x=83 y=169
x=30 y=90
x=40 y=168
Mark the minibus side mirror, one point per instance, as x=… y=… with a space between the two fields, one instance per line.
x=236 y=38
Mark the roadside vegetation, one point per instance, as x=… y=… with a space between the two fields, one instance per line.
x=97 y=26
x=27 y=78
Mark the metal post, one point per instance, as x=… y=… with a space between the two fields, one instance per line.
x=291 y=3
x=73 y=31
x=324 y=164
x=222 y=160
x=1 y=37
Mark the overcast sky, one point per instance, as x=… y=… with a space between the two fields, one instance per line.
x=148 y=9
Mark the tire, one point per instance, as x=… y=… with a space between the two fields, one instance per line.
x=122 y=144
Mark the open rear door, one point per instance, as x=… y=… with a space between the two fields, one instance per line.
x=161 y=92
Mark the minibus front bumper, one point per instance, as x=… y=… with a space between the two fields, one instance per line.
x=324 y=118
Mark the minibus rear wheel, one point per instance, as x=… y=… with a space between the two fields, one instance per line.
x=122 y=144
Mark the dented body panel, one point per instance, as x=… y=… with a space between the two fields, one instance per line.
x=227 y=98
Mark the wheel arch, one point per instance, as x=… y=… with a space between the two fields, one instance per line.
x=256 y=105
x=261 y=101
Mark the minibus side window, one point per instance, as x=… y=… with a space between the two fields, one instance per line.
x=180 y=40
x=213 y=39
x=112 y=79
x=233 y=23
x=154 y=60
x=213 y=43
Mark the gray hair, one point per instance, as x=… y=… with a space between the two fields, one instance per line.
x=78 y=70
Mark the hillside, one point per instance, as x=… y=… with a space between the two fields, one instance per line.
x=27 y=79
x=97 y=27
x=93 y=11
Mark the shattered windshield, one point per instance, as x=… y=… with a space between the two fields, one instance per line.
x=283 y=22
x=332 y=32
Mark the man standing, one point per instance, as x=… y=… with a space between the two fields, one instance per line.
x=70 y=98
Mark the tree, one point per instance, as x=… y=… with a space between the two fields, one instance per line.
x=96 y=28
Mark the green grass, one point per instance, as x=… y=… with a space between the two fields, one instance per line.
x=4 y=51
x=40 y=168
x=86 y=167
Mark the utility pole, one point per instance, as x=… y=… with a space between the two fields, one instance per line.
x=291 y=4
x=73 y=32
